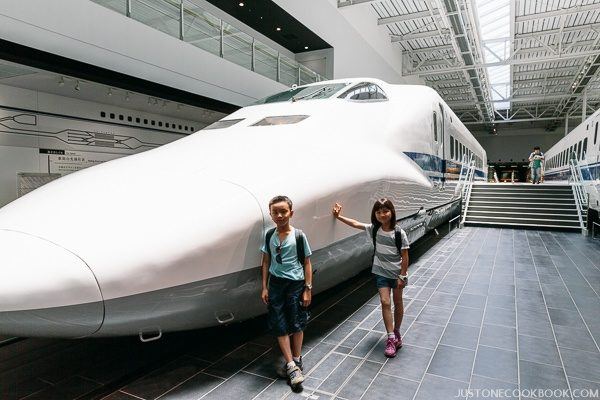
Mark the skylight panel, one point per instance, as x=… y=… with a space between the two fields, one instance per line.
x=494 y=26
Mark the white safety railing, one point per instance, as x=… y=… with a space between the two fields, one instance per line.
x=577 y=183
x=467 y=188
x=191 y=23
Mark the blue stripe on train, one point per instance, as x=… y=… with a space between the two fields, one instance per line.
x=429 y=162
x=588 y=172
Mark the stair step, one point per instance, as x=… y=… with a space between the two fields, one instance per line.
x=474 y=222
x=522 y=209
x=522 y=214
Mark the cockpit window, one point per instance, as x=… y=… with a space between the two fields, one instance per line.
x=224 y=123
x=281 y=120
x=364 y=91
x=304 y=93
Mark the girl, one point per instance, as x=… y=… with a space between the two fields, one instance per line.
x=390 y=264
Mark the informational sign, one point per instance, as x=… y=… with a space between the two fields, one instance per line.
x=66 y=161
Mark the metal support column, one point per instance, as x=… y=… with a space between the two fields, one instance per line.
x=181 y=22
x=221 y=41
x=584 y=105
x=278 y=67
x=567 y=125
x=128 y=8
x=253 y=65
x=299 y=75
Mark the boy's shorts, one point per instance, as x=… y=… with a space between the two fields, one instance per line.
x=286 y=313
x=383 y=282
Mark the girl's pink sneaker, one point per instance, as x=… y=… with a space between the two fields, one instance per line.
x=398 y=339
x=390 y=347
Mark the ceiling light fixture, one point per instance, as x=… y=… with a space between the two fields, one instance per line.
x=278 y=29
x=241 y=4
x=305 y=47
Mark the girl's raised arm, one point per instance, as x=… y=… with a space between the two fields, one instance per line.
x=337 y=212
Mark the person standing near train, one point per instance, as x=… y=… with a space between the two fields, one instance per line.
x=390 y=265
x=536 y=158
x=287 y=286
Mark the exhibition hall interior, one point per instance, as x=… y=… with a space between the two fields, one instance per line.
x=299 y=199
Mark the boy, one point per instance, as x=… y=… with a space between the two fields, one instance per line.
x=536 y=159
x=289 y=285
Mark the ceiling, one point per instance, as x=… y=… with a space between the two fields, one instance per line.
x=548 y=51
x=265 y=17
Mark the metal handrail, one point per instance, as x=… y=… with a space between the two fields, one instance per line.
x=468 y=186
x=461 y=177
x=579 y=194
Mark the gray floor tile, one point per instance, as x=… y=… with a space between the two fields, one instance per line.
x=370 y=341
x=581 y=364
x=471 y=300
x=539 y=350
x=565 y=318
x=357 y=385
x=195 y=387
x=541 y=376
x=434 y=315
x=338 y=335
x=414 y=308
x=160 y=381
x=328 y=364
x=410 y=363
x=439 y=388
x=423 y=335
x=574 y=338
x=461 y=336
x=504 y=337
x=581 y=384
x=70 y=388
x=476 y=288
x=362 y=313
x=446 y=300
x=482 y=382
x=496 y=363
x=505 y=289
x=467 y=316
x=501 y=301
x=534 y=323
x=354 y=338
x=390 y=387
x=452 y=362
x=339 y=375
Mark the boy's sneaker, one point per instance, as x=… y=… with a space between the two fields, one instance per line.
x=398 y=339
x=299 y=364
x=282 y=370
x=390 y=347
x=295 y=375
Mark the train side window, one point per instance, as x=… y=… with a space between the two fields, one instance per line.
x=596 y=133
x=435 y=124
x=451 y=148
x=584 y=151
x=579 y=148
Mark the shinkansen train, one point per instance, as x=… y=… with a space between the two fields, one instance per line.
x=583 y=145
x=180 y=248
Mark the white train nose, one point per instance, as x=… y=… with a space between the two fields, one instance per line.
x=45 y=289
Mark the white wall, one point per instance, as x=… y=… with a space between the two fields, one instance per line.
x=93 y=34
x=361 y=47
x=516 y=144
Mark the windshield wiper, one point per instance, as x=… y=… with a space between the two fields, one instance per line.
x=294 y=99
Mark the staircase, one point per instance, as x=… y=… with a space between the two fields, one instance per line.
x=523 y=205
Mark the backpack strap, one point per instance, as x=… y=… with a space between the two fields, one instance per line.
x=375 y=229
x=268 y=240
x=300 y=246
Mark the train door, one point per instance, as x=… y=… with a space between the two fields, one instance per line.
x=441 y=136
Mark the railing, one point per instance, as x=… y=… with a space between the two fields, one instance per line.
x=468 y=186
x=580 y=195
x=192 y=24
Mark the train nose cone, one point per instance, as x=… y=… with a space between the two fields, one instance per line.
x=45 y=290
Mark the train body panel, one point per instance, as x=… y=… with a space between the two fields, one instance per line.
x=181 y=249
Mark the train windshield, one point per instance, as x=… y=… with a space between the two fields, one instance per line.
x=304 y=93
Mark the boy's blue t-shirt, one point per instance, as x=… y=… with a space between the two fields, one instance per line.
x=290 y=268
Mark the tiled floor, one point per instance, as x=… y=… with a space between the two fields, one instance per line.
x=486 y=309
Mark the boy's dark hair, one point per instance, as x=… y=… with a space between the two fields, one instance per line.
x=279 y=199
x=536 y=148
x=379 y=204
